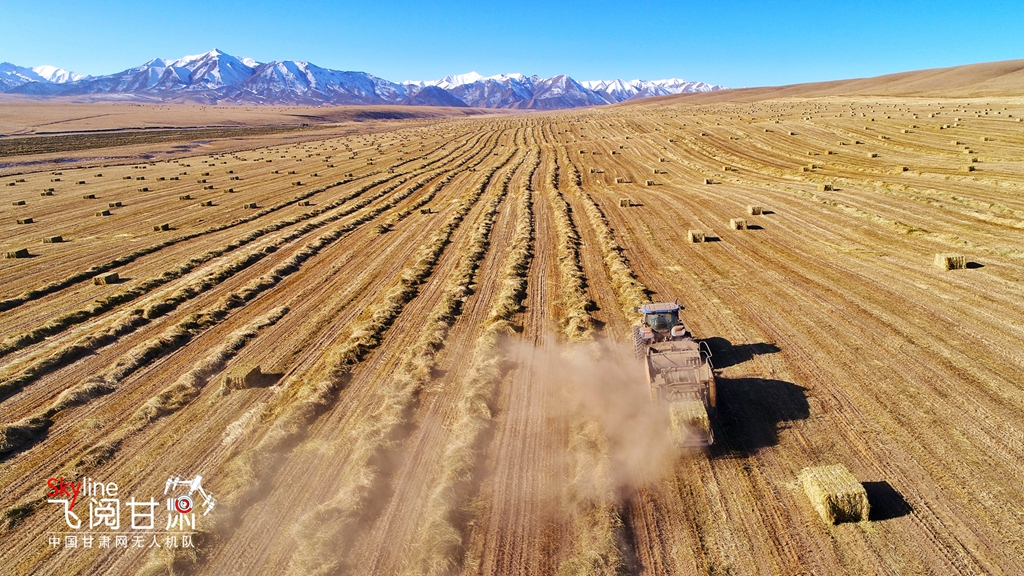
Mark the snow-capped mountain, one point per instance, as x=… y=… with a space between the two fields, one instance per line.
x=621 y=90
x=12 y=76
x=217 y=76
x=290 y=82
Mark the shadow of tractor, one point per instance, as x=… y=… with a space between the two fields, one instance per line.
x=725 y=353
x=752 y=411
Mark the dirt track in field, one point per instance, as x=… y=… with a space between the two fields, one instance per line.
x=441 y=314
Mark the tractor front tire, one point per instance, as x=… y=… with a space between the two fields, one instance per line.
x=639 y=346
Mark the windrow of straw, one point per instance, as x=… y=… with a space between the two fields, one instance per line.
x=332 y=522
x=86 y=275
x=101 y=306
x=438 y=546
x=127 y=323
x=576 y=321
x=171 y=399
x=197 y=287
x=288 y=419
x=629 y=290
x=588 y=498
x=17 y=436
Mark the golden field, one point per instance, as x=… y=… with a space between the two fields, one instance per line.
x=440 y=306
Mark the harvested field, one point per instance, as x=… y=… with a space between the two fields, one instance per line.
x=424 y=364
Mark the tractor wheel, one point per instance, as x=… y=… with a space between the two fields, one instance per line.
x=639 y=346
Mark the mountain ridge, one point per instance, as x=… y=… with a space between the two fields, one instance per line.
x=218 y=77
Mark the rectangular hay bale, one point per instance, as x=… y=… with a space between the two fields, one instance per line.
x=160 y=227
x=20 y=253
x=687 y=417
x=243 y=376
x=738 y=224
x=102 y=279
x=53 y=240
x=624 y=202
x=951 y=261
x=754 y=210
x=695 y=235
x=835 y=493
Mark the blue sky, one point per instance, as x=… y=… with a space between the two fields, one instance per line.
x=740 y=43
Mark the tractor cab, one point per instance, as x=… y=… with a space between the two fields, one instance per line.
x=661 y=322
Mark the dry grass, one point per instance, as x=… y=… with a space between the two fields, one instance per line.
x=288 y=419
x=332 y=522
x=629 y=290
x=438 y=546
x=835 y=493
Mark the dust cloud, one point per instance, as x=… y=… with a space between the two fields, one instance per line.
x=605 y=383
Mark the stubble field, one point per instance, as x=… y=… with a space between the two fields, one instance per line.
x=441 y=315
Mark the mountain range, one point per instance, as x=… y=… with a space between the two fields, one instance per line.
x=218 y=77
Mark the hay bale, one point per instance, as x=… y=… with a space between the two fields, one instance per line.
x=951 y=261
x=103 y=213
x=754 y=210
x=185 y=197
x=662 y=160
x=625 y=202
x=46 y=193
x=160 y=227
x=250 y=206
x=18 y=203
x=620 y=181
x=835 y=493
x=738 y=224
x=109 y=278
x=243 y=376
x=88 y=197
x=113 y=204
x=695 y=236
x=20 y=253
x=687 y=417
x=53 y=240
x=144 y=189
x=872 y=155
x=25 y=220
x=826 y=188
x=649 y=182
x=967 y=168
x=304 y=203
x=708 y=181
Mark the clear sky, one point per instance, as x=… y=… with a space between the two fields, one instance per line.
x=738 y=43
